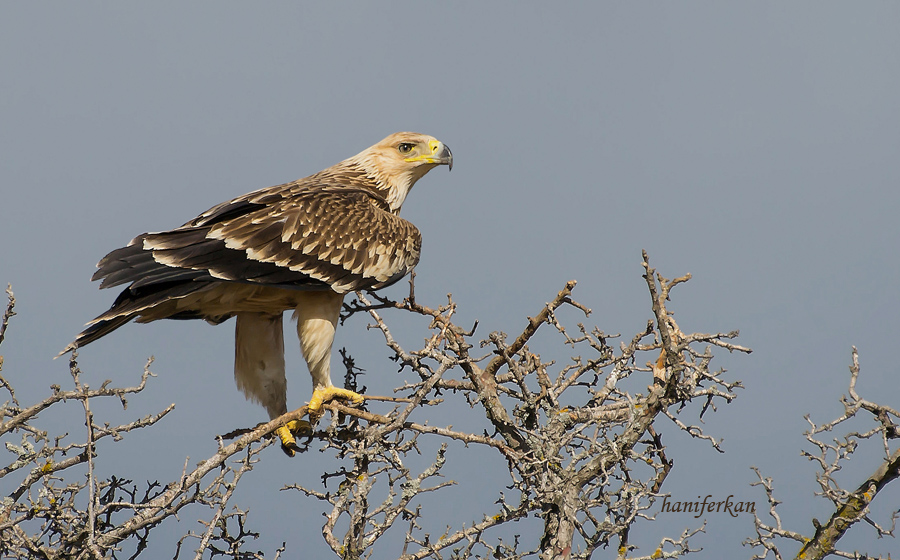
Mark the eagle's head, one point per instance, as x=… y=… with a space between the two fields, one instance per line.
x=398 y=161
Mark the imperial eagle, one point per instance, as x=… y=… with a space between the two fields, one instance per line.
x=299 y=246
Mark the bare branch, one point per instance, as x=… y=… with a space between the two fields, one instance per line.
x=577 y=437
x=850 y=506
x=10 y=305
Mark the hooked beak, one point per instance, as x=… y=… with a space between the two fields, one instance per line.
x=443 y=156
x=439 y=154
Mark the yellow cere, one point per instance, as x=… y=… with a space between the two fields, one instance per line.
x=433 y=145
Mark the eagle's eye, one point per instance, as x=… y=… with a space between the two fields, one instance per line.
x=405 y=147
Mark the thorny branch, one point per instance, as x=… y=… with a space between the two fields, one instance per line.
x=577 y=437
x=8 y=313
x=851 y=506
x=42 y=516
x=578 y=441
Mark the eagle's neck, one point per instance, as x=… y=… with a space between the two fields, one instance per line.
x=393 y=187
x=397 y=191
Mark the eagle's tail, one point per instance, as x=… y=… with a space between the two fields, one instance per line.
x=95 y=330
x=132 y=303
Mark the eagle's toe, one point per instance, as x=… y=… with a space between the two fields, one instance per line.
x=287 y=435
x=324 y=394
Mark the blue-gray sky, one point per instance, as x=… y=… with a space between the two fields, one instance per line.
x=753 y=145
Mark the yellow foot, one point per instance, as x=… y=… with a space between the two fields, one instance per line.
x=294 y=428
x=324 y=394
x=287 y=432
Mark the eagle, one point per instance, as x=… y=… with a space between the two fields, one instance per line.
x=298 y=246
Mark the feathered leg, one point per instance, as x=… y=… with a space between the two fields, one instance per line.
x=317 y=316
x=259 y=360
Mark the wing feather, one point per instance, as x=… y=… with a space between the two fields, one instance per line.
x=334 y=235
x=293 y=236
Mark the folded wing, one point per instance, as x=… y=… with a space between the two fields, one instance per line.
x=294 y=237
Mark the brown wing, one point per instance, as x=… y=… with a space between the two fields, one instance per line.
x=312 y=238
x=292 y=236
x=342 y=238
